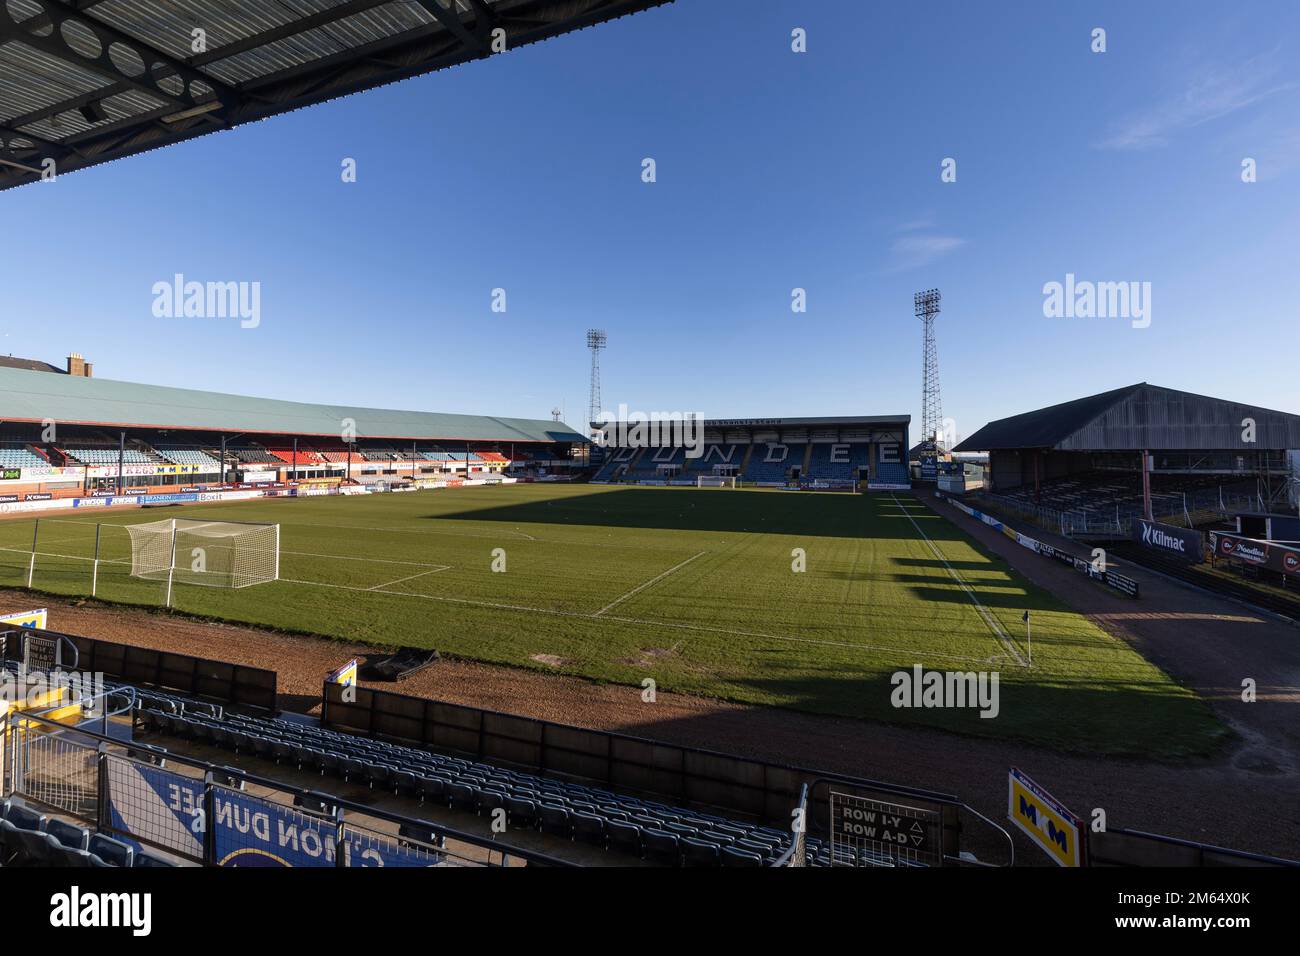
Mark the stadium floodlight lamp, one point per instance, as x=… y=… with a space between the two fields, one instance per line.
x=927 y=302
x=596 y=338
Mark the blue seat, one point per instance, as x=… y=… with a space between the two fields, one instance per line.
x=731 y=856
x=68 y=834
x=23 y=833
x=624 y=837
x=588 y=828
x=521 y=812
x=555 y=820
x=111 y=852
x=662 y=847
x=697 y=852
x=463 y=797
x=404 y=783
x=146 y=859
x=489 y=800
x=434 y=789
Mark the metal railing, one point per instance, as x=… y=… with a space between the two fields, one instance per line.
x=1184 y=510
x=114 y=786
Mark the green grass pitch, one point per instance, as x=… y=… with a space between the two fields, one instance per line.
x=695 y=589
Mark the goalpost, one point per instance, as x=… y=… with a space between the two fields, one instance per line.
x=715 y=481
x=219 y=554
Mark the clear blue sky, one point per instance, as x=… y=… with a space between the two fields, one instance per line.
x=775 y=171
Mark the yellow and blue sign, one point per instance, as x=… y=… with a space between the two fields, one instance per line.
x=345 y=675
x=34 y=620
x=1044 y=820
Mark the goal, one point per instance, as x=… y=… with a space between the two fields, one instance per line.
x=714 y=481
x=219 y=554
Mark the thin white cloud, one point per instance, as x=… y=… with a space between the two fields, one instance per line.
x=912 y=252
x=1212 y=95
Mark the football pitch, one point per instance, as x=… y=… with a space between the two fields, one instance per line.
x=808 y=601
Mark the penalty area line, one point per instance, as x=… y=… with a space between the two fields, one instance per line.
x=654 y=580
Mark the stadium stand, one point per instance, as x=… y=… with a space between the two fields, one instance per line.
x=188 y=456
x=760 y=469
x=853 y=458
x=20 y=456
x=892 y=472
x=1080 y=460
x=650 y=463
x=107 y=455
x=732 y=455
x=253 y=455
x=306 y=456
x=618 y=823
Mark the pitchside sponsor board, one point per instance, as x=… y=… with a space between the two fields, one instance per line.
x=1261 y=554
x=1044 y=820
x=1182 y=544
x=150 y=806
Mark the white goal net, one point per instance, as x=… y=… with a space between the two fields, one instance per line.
x=714 y=481
x=219 y=554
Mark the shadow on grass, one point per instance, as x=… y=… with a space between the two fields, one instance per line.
x=686 y=509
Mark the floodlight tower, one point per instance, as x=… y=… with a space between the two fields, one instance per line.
x=927 y=310
x=556 y=414
x=596 y=340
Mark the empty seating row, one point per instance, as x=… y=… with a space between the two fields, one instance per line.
x=107 y=455
x=188 y=456
x=892 y=472
x=839 y=462
x=305 y=456
x=773 y=461
x=252 y=455
x=20 y=456
x=29 y=837
x=648 y=829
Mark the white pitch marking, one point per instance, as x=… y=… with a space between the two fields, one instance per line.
x=348 y=557
x=409 y=577
x=1003 y=637
x=643 y=621
x=654 y=580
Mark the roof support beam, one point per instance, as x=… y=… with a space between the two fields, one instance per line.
x=159 y=66
x=452 y=36
x=257 y=41
x=477 y=38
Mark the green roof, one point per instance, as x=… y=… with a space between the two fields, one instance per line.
x=27 y=396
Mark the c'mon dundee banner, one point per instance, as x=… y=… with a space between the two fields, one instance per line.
x=151 y=807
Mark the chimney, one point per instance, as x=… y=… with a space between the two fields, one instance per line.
x=78 y=366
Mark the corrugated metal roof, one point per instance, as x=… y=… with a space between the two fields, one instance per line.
x=1138 y=417
x=38 y=396
x=103 y=79
x=1044 y=427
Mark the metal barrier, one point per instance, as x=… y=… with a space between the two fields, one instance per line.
x=229 y=684
x=797 y=854
x=1136 y=848
x=1199 y=506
